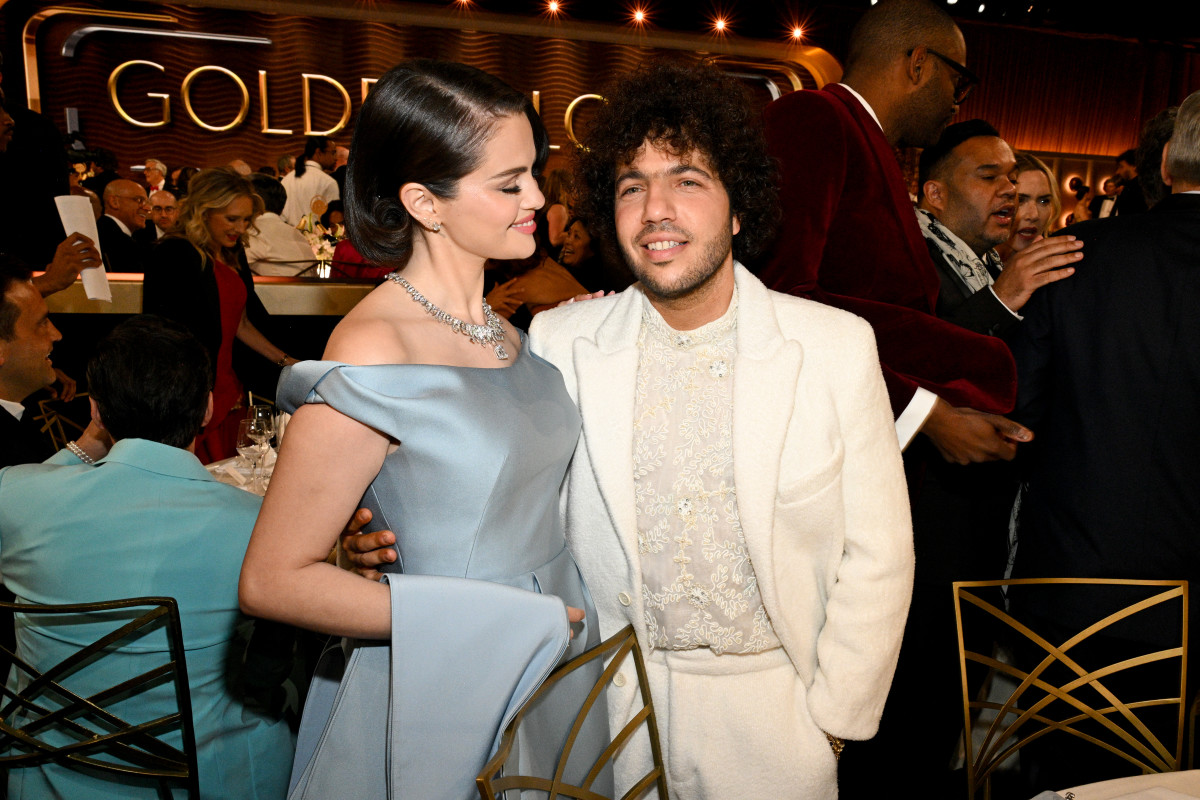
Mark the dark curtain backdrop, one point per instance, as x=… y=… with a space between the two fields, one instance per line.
x=1056 y=93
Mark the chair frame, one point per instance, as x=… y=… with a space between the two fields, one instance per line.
x=1003 y=740
x=52 y=420
x=138 y=744
x=492 y=786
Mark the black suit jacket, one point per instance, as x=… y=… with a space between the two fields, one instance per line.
x=980 y=311
x=147 y=236
x=1131 y=200
x=19 y=441
x=1109 y=376
x=121 y=252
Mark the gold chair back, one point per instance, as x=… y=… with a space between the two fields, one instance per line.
x=52 y=719
x=493 y=781
x=1031 y=711
x=55 y=423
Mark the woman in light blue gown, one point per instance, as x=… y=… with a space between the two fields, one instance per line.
x=428 y=409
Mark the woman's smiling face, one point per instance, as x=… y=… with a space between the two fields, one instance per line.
x=491 y=215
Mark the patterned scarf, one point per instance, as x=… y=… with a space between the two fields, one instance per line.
x=974 y=271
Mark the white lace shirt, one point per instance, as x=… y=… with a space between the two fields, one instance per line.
x=699 y=585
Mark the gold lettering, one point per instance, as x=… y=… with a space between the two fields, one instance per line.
x=186 y=90
x=367 y=83
x=262 y=99
x=112 y=94
x=305 y=77
x=569 y=116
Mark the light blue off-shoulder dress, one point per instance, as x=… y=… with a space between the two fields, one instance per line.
x=472 y=492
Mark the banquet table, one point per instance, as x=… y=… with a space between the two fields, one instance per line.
x=1157 y=786
x=232 y=472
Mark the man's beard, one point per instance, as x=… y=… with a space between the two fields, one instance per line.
x=701 y=272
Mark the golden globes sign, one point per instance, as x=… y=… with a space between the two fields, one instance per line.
x=237 y=86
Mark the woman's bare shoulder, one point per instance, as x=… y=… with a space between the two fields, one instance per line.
x=374 y=332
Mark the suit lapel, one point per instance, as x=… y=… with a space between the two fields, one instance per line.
x=764 y=387
x=606 y=369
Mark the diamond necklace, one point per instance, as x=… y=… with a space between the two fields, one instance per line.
x=490 y=333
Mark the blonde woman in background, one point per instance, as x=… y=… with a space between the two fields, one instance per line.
x=199 y=278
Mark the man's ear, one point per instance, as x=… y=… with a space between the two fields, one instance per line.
x=1162 y=167
x=933 y=194
x=737 y=225
x=917 y=64
x=208 y=412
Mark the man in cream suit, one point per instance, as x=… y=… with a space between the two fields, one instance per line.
x=737 y=493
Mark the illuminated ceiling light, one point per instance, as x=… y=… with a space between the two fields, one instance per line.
x=797 y=33
x=719 y=25
x=951 y=2
x=981 y=7
x=553 y=6
x=639 y=16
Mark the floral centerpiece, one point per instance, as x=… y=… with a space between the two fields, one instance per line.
x=323 y=242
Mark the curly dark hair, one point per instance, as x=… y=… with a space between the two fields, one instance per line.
x=686 y=106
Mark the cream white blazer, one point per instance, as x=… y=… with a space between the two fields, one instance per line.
x=820 y=488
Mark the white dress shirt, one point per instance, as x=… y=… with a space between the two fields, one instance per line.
x=301 y=191
x=16 y=409
x=277 y=248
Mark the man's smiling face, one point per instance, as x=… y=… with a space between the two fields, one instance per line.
x=673 y=220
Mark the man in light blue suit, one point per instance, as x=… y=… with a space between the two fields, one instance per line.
x=145 y=519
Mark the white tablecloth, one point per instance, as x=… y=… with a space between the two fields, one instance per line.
x=1164 y=786
x=231 y=472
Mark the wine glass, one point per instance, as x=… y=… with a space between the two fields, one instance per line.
x=259 y=429
x=247 y=448
x=265 y=413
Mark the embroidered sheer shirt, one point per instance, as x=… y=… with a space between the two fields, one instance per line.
x=698 y=583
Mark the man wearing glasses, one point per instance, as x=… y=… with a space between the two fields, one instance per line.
x=125 y=211
x=850 y=238
x=164 y=211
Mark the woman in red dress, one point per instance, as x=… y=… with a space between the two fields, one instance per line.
x=200 y=278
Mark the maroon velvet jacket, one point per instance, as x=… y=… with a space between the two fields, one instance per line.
x=850 y=239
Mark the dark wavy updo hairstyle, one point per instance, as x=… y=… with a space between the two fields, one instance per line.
x=424 y=122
